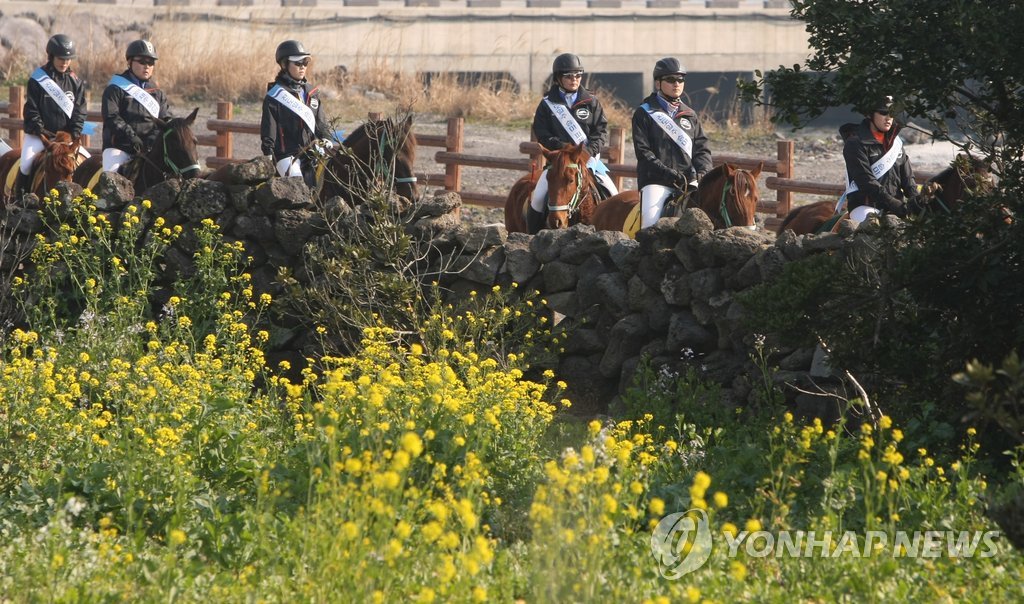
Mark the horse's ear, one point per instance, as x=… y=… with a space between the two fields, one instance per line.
x=757 y=172
x=548 y=154
x=406 y=125
x=159 y=122
x=191 y=117
x=730 y=170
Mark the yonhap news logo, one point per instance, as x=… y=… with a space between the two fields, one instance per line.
x=682 y=543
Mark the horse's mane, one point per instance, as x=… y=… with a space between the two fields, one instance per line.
x=376 y=132
x=183 y=130
x=59 y=162
x=713 y=184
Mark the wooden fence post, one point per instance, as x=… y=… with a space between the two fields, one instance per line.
x=453 y=144
x=225 y=139
x=84 y=139
x=14 y=111
x=785 y=170
x=617 y=152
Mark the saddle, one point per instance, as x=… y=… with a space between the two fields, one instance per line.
x=35 y=177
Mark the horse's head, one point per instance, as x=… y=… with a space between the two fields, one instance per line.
x=569 y=184
x=378 y=154
x=729 y=196
x=176 y=152
x=966 y=175
x=59 y=157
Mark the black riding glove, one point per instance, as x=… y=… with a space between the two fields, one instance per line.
x=136 y=144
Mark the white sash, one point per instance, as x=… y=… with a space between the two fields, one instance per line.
x=677 y=134
x=878 y=169
x=568 y=121
x=145 y=99
x=56 y=92
x=296 y=106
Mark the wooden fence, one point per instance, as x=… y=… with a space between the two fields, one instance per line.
x=452 y=158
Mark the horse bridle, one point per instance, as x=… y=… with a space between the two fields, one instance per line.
x=169 y=162
x=723 y=209
x=574 y=203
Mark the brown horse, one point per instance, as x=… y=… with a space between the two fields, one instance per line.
x=572 y=191
x=943 y=193
x=727 y=194
x=56 y=163
x=175 y=155
x=813 y=218
x=377 y=157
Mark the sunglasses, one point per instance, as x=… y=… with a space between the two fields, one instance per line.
x=302 y=63
x=673 y=80
x=575 y=75
x=147 y=62
x=884 y=113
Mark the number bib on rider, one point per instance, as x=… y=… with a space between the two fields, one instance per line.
x=569 y=123
x=677 y=134
x=56 y=92
x=878 y=169
x=294 y=105
x=151 y=105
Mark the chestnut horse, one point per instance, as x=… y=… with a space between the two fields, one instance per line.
x=56 y=163
x=175 y=155
x=377 y=157
x=943 y=192
x=572 y=191
x=727 y=194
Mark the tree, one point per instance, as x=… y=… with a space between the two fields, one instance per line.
x=954 y=64
x=949 y=289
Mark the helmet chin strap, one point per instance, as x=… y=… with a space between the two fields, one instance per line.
x=668 y=98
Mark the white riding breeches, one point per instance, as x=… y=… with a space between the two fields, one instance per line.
x=860 y=213
x=290 y=166
x=32 y=147
x=540 y=191
x=652 y=203
x=113 y=159
x=606 y=181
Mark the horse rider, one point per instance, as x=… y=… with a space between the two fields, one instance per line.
x=131 y=101
x=55 y=102
x=568 y=115
x=672 y=152
x=880 y=177
x=293 y=129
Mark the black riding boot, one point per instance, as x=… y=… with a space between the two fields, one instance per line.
x=534 y=221
x=21 y=186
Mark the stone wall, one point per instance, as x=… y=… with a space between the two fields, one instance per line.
x=669 y=295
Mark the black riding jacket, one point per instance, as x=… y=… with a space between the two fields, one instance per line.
x=42 y=112
x=125 y=119
x=282 y=132
x=659 y=160
x=888 y=193
x=586 y=111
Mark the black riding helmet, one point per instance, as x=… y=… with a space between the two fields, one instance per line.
x=290 y=50
x=141 y=48
x=60 y=47
x=565 y=63
x=668 y=66
x=883 y=104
